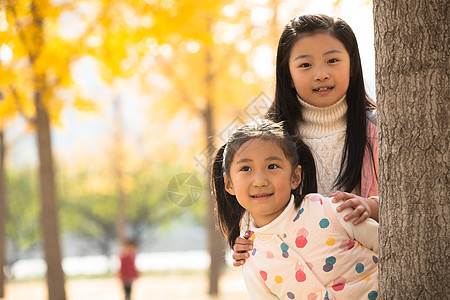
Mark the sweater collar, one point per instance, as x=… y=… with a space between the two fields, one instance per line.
x=276 y=225
x=320 y=122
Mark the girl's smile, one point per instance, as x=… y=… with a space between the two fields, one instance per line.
x=262 y=196
x=320 y=69
x=261 y=178
x=323 y=89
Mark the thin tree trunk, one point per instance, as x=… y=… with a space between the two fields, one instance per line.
x=216 y=242
x=118 y=165
x=49 y=210
x=412 y=77
x=2 y=214
x=121 y=207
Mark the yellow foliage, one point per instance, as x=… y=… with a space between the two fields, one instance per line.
x=7 y=111
x=181 y=51
x=41 y=59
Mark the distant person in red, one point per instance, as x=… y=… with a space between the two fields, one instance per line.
x=128 y=272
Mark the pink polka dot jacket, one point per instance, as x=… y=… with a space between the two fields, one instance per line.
x=311 y=253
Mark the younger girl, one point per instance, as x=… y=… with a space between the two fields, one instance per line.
x=303 y=249
x=320 y=96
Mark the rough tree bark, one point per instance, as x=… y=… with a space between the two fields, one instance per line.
x=49 y=209
x=33 y=42
x=412 y=76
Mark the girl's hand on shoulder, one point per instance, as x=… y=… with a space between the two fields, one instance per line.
x=361 y=208
x=240 y=249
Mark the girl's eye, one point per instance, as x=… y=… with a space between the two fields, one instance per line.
x=246 y=169
x=273 y=166
x=333 y=60
x=305 y=65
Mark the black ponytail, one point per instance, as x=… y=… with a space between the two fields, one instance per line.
x=306 y=161
x=229 y=211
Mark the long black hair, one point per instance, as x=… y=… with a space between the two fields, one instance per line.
x=229 y=211
x=287 y=108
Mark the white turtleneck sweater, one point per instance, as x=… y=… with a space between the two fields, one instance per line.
x=323 y=130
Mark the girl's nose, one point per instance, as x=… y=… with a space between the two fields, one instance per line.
x=321 y=74
x=260 y=180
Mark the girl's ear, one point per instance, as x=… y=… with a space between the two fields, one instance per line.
x=228 y=184
x=296 y=177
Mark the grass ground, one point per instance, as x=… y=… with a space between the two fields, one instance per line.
x=158 y=286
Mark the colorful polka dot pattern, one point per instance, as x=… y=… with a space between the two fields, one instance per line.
x=300 y=240
x=329 y=262
x=284 y=250
x=339 y=284
x=324 y=223
x=300 y=275
x=330 y=242
x=298 y=214
x=359 y=267
x=316 y=199
x=372 y=295
x=347 y=245
x=263 y=275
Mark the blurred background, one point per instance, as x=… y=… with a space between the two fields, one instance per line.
x=137 y=95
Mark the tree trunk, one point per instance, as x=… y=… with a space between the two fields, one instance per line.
x=49 y=211
x=412 y=76
x=2 y=214
x=33 y=40
x=215 y=240
x=118 y=165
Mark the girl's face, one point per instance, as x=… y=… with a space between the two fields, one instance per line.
x=261 y=178
x=320 y=69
